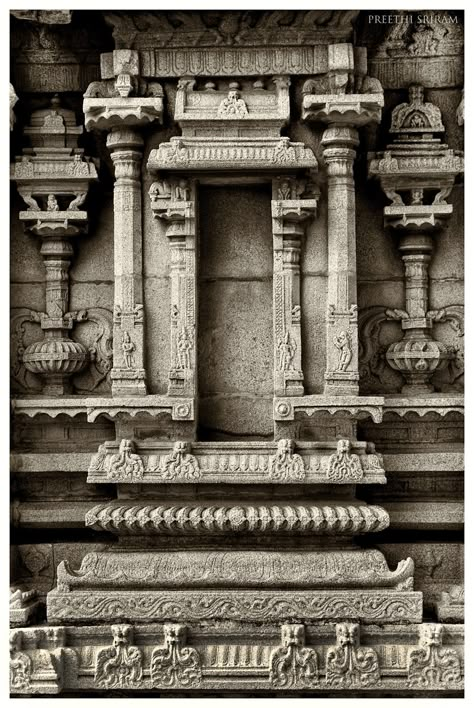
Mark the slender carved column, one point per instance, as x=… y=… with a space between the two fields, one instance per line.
x=128 y=373
x=342 y=374
x=175 y=203
x=345 y=99
x=121 y=105
x=289 y=213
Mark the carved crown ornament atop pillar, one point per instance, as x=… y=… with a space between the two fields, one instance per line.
x=53 y=178
x=121 y=105
x=417 y=173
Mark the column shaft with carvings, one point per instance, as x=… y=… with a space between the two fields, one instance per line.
x=345 y=99
x=175 y=203
x=289 y=213
x=121 y=106
x=128 y=373
x=341 y=361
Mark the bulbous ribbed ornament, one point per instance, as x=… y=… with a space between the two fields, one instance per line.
x=417 y=360
x=56 y=360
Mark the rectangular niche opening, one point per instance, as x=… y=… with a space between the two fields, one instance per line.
x=235 y=332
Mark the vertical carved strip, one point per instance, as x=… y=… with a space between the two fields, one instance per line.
x=175 y=203
x=128 y=373
x=288 y=214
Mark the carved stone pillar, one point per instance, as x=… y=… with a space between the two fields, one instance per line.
x=175 y=203
x=345 y=99
x=341 y=358
x=121 y=105
x=128 y=373
x=289 y=212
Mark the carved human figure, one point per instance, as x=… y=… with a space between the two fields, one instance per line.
x=128 y=348
x=184 y=345
x=233 y=105
x=343 y=342
x=286 y=349
x=52 y=203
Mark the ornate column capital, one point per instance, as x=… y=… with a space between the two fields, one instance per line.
x=122 y=98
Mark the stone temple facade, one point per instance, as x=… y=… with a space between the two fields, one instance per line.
x=236 y=354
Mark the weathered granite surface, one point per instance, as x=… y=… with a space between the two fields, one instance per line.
x=237 y=354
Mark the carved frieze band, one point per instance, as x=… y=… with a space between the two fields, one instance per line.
x=141 y=518
x=339 y=463
x=51 y=660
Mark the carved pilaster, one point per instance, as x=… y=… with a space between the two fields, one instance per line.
x=289 y=212
x=345 y=99
x=121 y=105
x=341 y=325
x=13 y=102
x=175 y=203
x=128 y=373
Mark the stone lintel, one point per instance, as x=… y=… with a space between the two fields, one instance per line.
x=118 y=112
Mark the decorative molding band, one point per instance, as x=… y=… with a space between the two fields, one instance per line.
x=281 y=656
x=254 y=463
x=387 y=607
x=141 y=519
x=154 y=406
x=155 y=569
x=182 y=154
x=359 y=406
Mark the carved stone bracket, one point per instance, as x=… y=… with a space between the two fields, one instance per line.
x=252 y=463
x=432 y=665
x=121 y=106
x=348 y=665
x=345 y=99
x=175 y=203
x=292 y=665
x=289 y=213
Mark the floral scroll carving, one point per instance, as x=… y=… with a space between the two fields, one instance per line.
x=430 y=665
x=126 y=464
x=175 y=665
x=180 y=464
x=121 y=665
x=286 y=465
x=348 y=665
x=292 y=665
x=343 y=467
